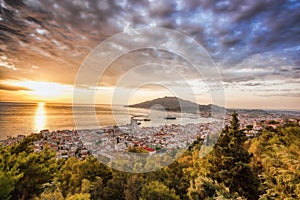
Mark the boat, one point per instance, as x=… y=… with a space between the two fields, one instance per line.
x=147 y=119
x=134 y=121
x=170 y=117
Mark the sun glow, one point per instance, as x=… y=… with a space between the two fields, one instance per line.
x=45 y=91
x=40 y=117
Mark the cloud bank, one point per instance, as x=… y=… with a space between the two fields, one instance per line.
x=250 y=40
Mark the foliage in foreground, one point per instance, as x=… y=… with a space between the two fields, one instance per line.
x=267 y=167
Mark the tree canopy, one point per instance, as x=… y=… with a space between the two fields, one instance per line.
x=265 y=167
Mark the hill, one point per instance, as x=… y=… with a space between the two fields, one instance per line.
x=175 y=104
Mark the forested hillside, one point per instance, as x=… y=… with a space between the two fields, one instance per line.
x=265 y=167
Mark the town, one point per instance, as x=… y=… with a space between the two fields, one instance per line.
x=134 y=138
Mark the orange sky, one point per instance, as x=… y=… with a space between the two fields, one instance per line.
x=256 y=54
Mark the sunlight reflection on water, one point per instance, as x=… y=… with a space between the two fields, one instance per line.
x=40 y=117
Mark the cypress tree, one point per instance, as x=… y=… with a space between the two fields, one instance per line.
x=229 y=162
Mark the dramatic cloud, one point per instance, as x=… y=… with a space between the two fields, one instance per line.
x=250 y=40
x=12 y=88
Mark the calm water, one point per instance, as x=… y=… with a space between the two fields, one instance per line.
x=24 y=118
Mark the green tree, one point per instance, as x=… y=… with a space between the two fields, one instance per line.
x=157 y=191
x=25 y=145
x=97 y=189
x=6 y=186
x=80 y=196
x=176 y=178
x=206 y=188
x=116 y=186
x=133 y=187
x=279 y=162
x=25 y=172
x=229 y=163
x=74 y=171
x=36 y=169
x=48 y=195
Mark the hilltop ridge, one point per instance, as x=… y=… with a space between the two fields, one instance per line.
x=174 y=104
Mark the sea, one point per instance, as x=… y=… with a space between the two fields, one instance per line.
x=26 y=118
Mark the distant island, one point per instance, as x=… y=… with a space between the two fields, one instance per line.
x=175 y=104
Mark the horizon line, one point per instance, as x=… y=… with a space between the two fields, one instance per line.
x=227 y=108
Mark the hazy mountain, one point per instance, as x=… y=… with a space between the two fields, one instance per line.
x=175 y=104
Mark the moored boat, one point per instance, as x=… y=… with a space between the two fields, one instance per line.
x=170 y=117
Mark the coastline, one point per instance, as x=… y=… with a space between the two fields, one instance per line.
x=112 y=139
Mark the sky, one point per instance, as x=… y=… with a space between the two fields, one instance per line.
x=255 y=45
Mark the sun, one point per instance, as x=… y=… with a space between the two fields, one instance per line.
x=45 y=91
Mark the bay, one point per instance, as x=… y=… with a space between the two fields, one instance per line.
x=25 y=118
